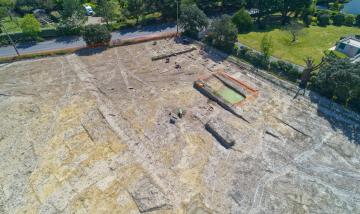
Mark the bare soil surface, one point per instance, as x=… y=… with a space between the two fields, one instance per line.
x=90 y=133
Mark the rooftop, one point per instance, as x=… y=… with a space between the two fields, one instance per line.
x=352 y=41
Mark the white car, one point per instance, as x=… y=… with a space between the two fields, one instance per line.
x=89 y=10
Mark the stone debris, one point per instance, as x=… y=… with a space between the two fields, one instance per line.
x=149 y=197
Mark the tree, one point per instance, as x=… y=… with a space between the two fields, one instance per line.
x=192 y=20
x=72 y=25
x=265 y=7
x=357 y=20
x=243 y=21
x=288 y=6
x=266 y=47
x=135 y=8
x=324 y=20
x=5 y=8
x=295 y=30
x=206 y=5
x=233 y=4
x=30 y=26
x=168 y=8
x=307 y=72
x=349 y=20
x=187 y=2
x=73 y=17
x=307 y=19
x=339 y=19
x=70 y=7
x=223 y=33
x=95 y=34
x=109 y=10
x=47 y=4
x=339 y=79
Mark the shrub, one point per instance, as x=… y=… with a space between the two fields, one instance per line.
x=314 y=20
x=96 y=34
x=324 y=20
x=243 y=21
x=25 y=9
x=30 y=26
x=357 y=20
x=252 y=57
x=285 y=69
x=349 y=20
x=339 y=19
x=307 y=20
x=55 y=15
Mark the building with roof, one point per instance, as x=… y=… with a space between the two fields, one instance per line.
x=349 y=46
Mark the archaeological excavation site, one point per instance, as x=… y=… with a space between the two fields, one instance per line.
x=167 y=127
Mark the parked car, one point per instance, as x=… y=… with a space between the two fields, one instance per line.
x=89 y=10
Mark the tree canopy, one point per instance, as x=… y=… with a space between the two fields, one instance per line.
x=192 y=20
x=30 y=26
x=109 y=10
x=223 y=33
x=243 y=21
x=339 y=79
x=96 y=34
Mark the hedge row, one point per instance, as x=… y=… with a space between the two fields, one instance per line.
x=19 y=36
x=327 y=17
x=281 y=68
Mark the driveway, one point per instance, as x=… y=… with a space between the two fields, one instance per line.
x=76 y=41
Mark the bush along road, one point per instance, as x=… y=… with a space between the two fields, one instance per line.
x=77 y=41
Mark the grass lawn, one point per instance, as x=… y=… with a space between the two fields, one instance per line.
x=314 y=41
x=12 y=26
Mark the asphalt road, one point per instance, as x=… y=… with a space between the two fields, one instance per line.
x=75 y=41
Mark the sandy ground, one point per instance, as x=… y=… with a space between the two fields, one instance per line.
x=90 y=133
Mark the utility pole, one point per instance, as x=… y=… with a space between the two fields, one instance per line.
x=11 y=41
x=177 y=17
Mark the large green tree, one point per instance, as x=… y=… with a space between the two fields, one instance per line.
x=223 y=33
x=265 y=7
x=339 y=79
x=96 y=34
x=135 y=9
x=70 y=7
x=243 y=21
x=286 y=7
x=109 y=10
x=267 y=47
x=30 y=26
x=192 y=20
x=6 y=6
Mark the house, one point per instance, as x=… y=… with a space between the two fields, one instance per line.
x=349 y=46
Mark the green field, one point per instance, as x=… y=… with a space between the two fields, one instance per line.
x=12 y=26
x=313 y=42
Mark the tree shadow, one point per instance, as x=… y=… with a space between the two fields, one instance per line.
x=340 y=118
x=214 y=54
x=90 y=51
x=26 y=44
x=67 y=39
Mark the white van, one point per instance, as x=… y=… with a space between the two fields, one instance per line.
x=89 y=10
